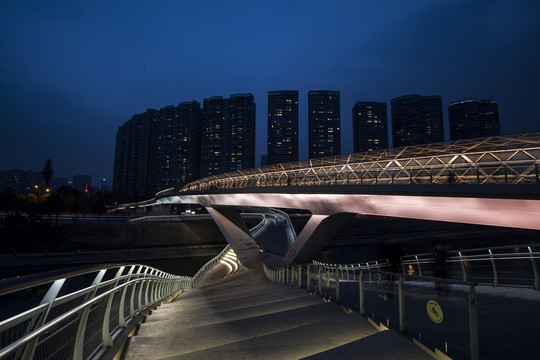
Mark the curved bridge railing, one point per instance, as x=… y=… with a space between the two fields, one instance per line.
x=81 y=314
x=444 y=323
x=508 y=266
x=512 y=159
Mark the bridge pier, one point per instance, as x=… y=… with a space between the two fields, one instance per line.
x=314 y=236
x=236 y=233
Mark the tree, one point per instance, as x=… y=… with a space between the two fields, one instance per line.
x=47 y=172
x=53 y=205
x=8 y=199
x=98 y=206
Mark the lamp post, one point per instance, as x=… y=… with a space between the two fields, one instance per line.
x=38 y=192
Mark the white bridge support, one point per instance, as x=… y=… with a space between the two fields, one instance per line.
x=236 y=233
x=288 y=247
x=444 y=203
x=314 y=236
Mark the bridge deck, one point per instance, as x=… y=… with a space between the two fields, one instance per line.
x=245 y=316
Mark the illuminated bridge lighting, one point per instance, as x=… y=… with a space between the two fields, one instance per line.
x=509 y=159
x=230 y=260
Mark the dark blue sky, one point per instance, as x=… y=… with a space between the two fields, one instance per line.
x=72 y=72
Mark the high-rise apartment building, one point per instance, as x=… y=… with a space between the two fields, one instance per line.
x=215 y=111
x=176 y=146
x=240 y=133
x=162 y=149
x=472 y=118
x=370 y=129
x=133 y=155
x=187 y=149
x=157 y=150
x=324 y=123
x=417 y=120
x=228 y=134
x=282 y=126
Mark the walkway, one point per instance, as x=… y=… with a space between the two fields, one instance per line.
x=244 y=316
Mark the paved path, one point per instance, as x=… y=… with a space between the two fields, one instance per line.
x=244 y=316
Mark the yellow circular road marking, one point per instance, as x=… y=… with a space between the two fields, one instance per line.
x=434 y=311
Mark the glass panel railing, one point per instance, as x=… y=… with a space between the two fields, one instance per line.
x=440 y=314
x=381 y=300
x=438 y=317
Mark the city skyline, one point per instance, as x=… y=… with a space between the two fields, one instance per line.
x=176 y=145
x=71 y=74
x=348 y=136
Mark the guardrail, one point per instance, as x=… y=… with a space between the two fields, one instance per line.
x=439 y=321
x=198 y=276
x=508 y=266
x=80 y=314
x=379 y=173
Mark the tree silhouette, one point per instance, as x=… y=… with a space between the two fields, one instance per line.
x=47 y=172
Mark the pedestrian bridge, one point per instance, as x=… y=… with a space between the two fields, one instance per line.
x=313 y=311
x=488 y=181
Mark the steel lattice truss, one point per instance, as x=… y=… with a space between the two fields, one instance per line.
x=499 y=159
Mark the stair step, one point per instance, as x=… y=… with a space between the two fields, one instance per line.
x=179 y=338
x=237 y=311
x=292 y=343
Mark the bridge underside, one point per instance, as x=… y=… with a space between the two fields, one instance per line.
x=330 y=212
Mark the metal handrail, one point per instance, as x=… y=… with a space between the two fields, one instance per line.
x=118 y=295
x=492 y=256
x=330 y=274
x=377 y=172
x=208 y=266
x=51 y=324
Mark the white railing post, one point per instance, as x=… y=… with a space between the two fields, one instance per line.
x=361 y=290
x=132 y=310
x=536 y=279
x=463 y=266
x=337 y=284
x=78 y=348
x=147 y=289
x=154 y=288
x=320 y=280
x=473 y=323
x=495 y=275
x=308 y=280
x=121 y=312
x=106 y=337
x=49 y=298
x=140 y=304
x=401 y=297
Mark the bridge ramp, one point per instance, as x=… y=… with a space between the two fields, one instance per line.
x=244 y=316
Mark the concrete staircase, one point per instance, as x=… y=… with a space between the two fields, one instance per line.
x=244 y=316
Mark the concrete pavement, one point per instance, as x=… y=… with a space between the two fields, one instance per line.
x=244 y=316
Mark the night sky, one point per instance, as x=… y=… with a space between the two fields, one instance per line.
x=71 y=72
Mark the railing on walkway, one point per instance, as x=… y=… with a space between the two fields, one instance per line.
x=210 y=264
x=511 y=159
x=509 y=266
x=422 y=308
x=79 y=314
